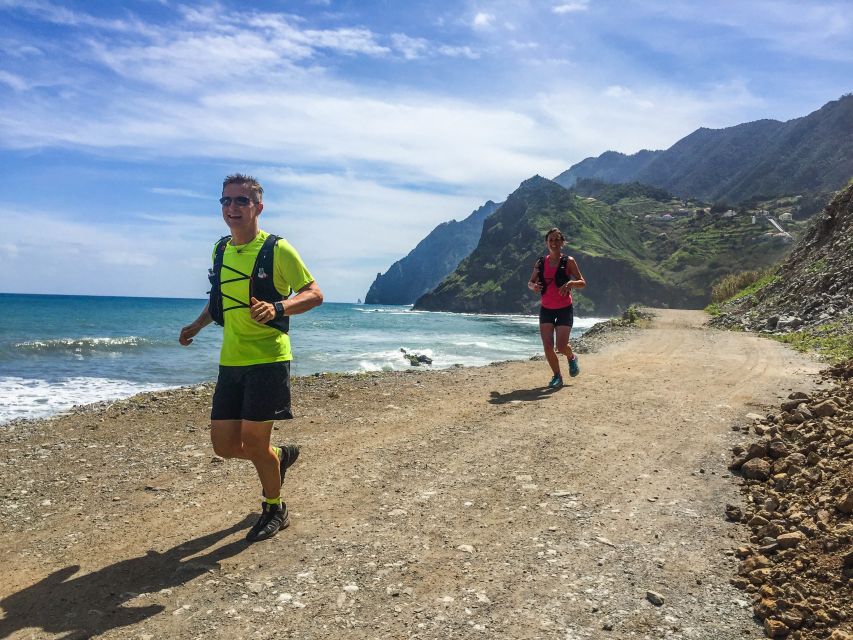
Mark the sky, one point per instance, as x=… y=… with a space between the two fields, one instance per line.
x=367 y=122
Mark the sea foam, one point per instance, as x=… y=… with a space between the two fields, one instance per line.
x=34 y=398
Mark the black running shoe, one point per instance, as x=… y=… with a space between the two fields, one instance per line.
x=289 y=454
x=259 y=523
x=273 y=519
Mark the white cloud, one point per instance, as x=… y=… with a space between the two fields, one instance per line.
x=523 y=46
x=8 y=249
x=126 y=258
x=181 y=193
x=630 y=119
x=419 y=138
x=353 y=207
x=411 y=48
x=571 y=7
x=483 y=20
x=15 y=82
x=459 y=52
x=617 y=91
x=417 y=48
x=56 y=14
x=818 y=30
x=345 y=41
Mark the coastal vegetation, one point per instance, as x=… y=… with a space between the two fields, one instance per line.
x=831 y=341
x=738 y=285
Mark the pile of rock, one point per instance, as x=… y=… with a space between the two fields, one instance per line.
x=416 y=359
x=798 y=483
x=813 y=286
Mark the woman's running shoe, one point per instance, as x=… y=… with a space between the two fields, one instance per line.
x=556 y=382
x=574 y=367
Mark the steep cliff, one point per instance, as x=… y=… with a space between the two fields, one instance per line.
x=436 y=256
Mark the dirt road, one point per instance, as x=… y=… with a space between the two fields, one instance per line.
x=466 y=503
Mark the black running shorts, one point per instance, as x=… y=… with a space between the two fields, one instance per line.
x=564 y=317
x=257 y=392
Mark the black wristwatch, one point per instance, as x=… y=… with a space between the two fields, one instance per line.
x=279 y=310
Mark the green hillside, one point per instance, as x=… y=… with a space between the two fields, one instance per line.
x=634 y=244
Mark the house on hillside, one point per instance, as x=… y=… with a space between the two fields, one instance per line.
x=729 y=214
x=786 y=217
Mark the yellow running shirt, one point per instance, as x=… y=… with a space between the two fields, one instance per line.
x=245 y=341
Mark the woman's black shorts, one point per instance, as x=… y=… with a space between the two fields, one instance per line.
x=257 y=392
x=564 y=317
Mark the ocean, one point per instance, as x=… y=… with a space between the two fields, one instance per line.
x=61 y=351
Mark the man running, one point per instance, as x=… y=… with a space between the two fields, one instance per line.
x=252 y=277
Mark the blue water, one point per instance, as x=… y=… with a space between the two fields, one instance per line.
x=60 y=351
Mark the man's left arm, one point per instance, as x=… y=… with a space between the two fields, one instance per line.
x=306 y=298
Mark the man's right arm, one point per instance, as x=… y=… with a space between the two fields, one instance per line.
x=189 y=332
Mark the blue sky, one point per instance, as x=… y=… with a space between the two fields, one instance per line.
x=367 y=122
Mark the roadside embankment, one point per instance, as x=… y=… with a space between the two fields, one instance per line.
x=798 y=488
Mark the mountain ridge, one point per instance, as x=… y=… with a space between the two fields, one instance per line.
x=760 y=158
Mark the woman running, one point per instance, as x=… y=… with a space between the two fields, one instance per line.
x=554 y=276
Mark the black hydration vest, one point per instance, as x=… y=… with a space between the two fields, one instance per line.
x=260 y=283
x=560 y=278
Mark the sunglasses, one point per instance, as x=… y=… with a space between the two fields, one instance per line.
x=240 y=201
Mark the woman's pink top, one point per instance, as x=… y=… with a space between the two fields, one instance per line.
x=552 y=299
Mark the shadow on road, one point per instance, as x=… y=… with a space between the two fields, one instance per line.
x=91 y=604
x=521 y=395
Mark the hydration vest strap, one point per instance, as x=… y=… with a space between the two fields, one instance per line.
x=560 y=275
x=261 y=284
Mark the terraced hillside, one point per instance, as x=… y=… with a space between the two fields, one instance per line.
x=634 y=244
